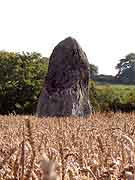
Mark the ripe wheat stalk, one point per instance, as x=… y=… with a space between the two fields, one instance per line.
x=100 y=147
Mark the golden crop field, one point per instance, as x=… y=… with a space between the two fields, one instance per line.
x=101 y=147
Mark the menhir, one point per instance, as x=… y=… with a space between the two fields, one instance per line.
x=65 y=91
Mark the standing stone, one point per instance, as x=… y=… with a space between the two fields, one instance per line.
x=65 y=91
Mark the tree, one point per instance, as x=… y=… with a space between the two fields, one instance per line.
x=126 y=69
x=93 y=71
x=21 y=76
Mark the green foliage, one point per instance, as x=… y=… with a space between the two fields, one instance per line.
x=115 y=98
x=21 y=77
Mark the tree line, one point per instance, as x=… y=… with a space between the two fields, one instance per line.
x=22 y=76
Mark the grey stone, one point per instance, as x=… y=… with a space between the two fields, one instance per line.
x=65 y=91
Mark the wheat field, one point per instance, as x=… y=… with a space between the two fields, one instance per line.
x=100 y=147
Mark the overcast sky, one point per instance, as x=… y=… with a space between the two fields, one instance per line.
x=104 y=28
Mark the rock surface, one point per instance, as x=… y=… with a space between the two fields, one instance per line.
x=65 y=91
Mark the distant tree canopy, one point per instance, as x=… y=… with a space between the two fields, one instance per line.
x=126 y=69
x=125 y=75
x=103 y=79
